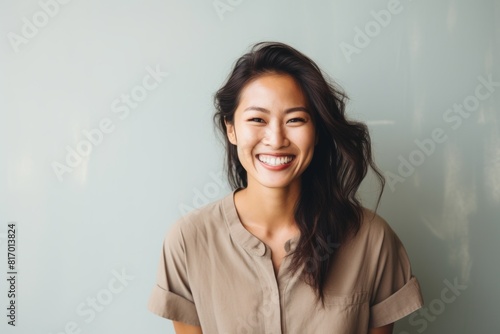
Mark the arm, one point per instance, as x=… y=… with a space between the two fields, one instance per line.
x=387 y=329
x=182 y=328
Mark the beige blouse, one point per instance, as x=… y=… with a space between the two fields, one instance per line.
x=215 y=274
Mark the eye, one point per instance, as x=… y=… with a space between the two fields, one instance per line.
x=256 y=119
x=296 y=120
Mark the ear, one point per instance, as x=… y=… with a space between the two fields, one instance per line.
x=231 y=135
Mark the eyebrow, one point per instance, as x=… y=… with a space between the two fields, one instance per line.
x=289 y=110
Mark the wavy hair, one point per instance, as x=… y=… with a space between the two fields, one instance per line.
x=328 y=209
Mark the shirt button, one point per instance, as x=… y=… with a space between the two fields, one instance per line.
x=287 y=246
x=260 y=250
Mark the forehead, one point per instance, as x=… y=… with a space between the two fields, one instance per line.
x=273 y=89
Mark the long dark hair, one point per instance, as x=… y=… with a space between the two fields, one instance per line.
x=328 y=209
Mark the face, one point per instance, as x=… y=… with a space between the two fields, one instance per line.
x=273 y=131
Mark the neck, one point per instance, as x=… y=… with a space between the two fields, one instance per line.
x=269 y=210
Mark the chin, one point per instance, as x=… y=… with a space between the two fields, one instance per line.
x=276 y=183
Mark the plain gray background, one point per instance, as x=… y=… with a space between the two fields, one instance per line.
x=67 y=69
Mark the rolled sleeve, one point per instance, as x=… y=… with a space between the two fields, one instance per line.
x=169 y=305
x=403 y=302
x=171 y=297
x=396 y=292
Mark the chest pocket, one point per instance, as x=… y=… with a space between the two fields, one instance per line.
x=335 y=299
x=344 y=313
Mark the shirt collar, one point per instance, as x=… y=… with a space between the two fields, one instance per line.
x=247 y=240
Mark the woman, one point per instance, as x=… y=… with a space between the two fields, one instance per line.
x=291 y=249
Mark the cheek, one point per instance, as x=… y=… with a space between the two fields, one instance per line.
x=246 y=144
x=305 y=140
x=248 y=138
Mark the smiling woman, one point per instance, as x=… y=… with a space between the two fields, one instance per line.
x=291 y=249
x=274 y=131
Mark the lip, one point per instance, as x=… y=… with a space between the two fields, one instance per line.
x=276 y=154
x=276 y=168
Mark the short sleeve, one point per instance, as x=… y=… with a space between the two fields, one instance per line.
x=171 y=297
x=396 y=292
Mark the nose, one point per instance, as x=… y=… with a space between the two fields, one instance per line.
x=276 y=136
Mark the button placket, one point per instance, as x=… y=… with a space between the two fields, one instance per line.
x=271 y=295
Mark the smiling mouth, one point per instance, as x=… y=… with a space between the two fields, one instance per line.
x=273 y=160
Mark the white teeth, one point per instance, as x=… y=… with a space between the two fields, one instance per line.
x=275 y=161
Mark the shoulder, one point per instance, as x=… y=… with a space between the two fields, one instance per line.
x=374 y=225
x=374 y=232
x=199 y=222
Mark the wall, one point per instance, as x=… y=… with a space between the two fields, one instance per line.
x=106 y=139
